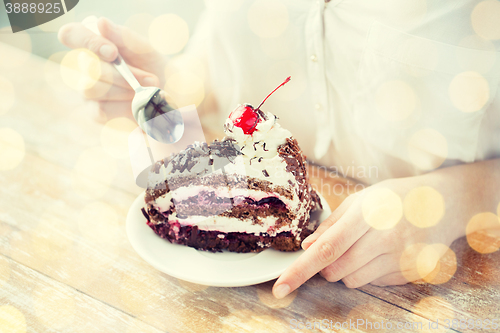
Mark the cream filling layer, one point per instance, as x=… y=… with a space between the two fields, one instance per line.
x=231 y=224
x=164 y=202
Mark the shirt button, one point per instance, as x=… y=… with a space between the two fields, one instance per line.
x=314 y=58
x=318 y=107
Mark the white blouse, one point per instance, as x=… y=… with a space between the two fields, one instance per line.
x=380 y=88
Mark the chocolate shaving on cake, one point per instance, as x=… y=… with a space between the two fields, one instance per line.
x=254 y=145
x=264 y=147
x=260 y=159
x=265 y=173
x=293 y=157
x=144 y=213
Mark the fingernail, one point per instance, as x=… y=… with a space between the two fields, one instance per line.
x=307 y=242
x=106 y=51
x=148 y=81
x=281 y=291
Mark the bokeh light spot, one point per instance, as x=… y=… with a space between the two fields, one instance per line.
x=12 y=149
x=382 y=208
x=395 y=100
x=485 y=19
x=268 y=18
x=168 y=34
x=114 y=136
x=54 y=309
x=427 y=149
x=12 y=320
x=80 y=69
x=483 y=232
x=424 y=206
x=93 y=172
x=7 y=95
x=469 y=91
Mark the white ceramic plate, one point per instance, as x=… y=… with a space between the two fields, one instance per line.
x=223 y=269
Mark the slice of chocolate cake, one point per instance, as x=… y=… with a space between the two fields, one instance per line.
x=245 y=193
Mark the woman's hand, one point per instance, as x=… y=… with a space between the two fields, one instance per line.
x=369 y=239
x=112 y=92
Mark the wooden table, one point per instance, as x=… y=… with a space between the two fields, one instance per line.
x=66 y=264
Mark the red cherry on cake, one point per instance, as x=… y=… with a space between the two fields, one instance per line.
x=246 y=117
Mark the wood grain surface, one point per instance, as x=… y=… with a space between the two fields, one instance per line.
x=66 y=264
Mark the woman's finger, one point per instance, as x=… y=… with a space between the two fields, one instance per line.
x=376 y=268
x=132 y=47
x=334 y=242
x=76 y=35
x=332 y=219
x=363 y=252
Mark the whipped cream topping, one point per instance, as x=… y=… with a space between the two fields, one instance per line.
x=264 y=141
x=260 y=157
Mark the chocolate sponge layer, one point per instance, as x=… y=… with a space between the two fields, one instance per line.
x=216 y=241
